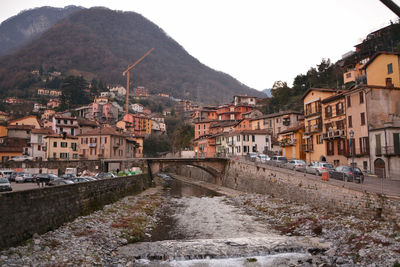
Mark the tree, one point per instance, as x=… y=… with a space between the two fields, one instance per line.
x=73 y=91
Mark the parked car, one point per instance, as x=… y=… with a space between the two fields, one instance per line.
x=297 y=165
x=5 y=174
x=318 y=168
x=102 y=175
x=164 y=176
x=79 y=180
x=12 y=176
x=46 y=177
x=347 y=173
x=60 y=182
x=24 y=177
x=251 y=156
x=262 y=158
x=89 y=178
x=279 y=160
x=68 y=176
x=21 y=158
x=5 y=185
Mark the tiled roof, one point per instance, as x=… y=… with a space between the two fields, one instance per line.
x=20 y=127
x=102 y=131
x=42 y=131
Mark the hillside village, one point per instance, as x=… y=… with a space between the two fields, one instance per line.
x=357 y=124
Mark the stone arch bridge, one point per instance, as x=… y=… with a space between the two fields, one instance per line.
x=213 y=166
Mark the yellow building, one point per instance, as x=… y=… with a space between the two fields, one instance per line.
x=383 y=70
x=29 y=120
x=314 y=147
x=3 y=131
x=334 y=129
x=3 y=116
x=61 y=147
x=291 y=143
x=145 y=123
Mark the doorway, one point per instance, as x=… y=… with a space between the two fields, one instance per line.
x=379 y=167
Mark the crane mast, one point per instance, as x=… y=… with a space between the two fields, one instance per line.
x=126 y=72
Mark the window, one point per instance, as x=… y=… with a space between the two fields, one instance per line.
x=54 y=144
x=253 y=138
x=361 y=97
x=378 y=150
x=73 y=146
x=74 y=156
x=364 y=145
x=350 y=122
x=65 y=121
x=389 y=82
x=341 y=147
x=54 y=155
x=362 y=118
x=365 y=165
x=396 y=143
x=40 y=140
x=64 y=144
x=319 y=139
x=329 y=148
x=328 y=111
x=39 y=147
x=238 y=138
x=120 y=152
x=63 y=155
x=199 y=126
x=339 y=108
x=348 y=101
x=390 y=68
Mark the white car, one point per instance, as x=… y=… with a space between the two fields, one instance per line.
x=21 y=158
x=262 y=158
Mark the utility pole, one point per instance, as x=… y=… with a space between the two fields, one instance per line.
x=127 y=78
x=392 y=6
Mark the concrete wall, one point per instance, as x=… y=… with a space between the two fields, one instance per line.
x=252 y=178
x=40 y=210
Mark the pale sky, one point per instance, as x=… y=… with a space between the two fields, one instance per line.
x=256 y=41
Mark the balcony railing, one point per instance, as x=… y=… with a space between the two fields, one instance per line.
x=312 y=128
x=341 y=133
x=387 y=151
x=308 y=147
x=287 y=142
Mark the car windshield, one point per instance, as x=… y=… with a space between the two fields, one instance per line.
x=330 y=166
x=3 y=181
x=300 y=162
x=356 y=169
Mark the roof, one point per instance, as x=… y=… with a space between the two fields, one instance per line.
x=61 y=136
x=332 y=98
x=102 y=131
x=42 y=131
x=64 y=117
x=377 y=54
x=31 y=116
x=20 y=127
x=255 y=132
x=84 y=122
x=245 y=96
x=10 y=149
x=317 y=89
x=292 y=129
x=277 y=114
x=224 y=124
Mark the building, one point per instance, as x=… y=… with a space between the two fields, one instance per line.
x=205 y=113
x=12 y=147
x=107 y=143
x=86 y=125
x=314 y=146
x=334 y=129
x=244 y=99
x=61 y=147
x=3 y=116
x=248 y=141
x=29 y=120
x=48 y=92
x=158 y=125
x=53 y=103
x=277 y=122
x=37 y=148
x=107 y=94
x=118 y=90
x=232 y=112
x=137 y=107
x=141 y=91
x=64 y=124
x=291 y=143
x=48 y=114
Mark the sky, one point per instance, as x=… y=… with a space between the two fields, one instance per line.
x=257 y=42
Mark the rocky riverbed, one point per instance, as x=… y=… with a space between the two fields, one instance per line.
x=233 y=226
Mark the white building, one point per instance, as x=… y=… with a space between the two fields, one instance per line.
x=118 y=90
x=107 y=94
x=158 y=125
x=244 y=99
x=248 y=141
x=137 y=108
x=63 y=124
x=37 y=150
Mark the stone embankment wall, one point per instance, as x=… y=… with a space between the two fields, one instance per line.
x=27 y=212
x=262 y=179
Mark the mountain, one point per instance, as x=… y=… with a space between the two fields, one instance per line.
x=267 y=92
x=101 y=43
x=27 y=25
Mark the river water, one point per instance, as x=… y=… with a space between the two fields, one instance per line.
x=199 y=227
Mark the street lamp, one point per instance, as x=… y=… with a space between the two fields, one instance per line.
x=352 y=150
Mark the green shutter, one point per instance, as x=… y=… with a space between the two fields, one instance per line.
x=378 y=144
x=396 y=142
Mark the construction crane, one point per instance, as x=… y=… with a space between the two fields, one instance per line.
x=392 y=6
x=127 y=78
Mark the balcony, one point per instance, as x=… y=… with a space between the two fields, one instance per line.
x=308 y=147
x=349 y=76
x=312 y=113
x=116 y=145
x=341 y=133
x=287 y=142
x=312 y=129
x=387 y=151
x=92 y=144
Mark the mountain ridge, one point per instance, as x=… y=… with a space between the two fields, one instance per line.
x=105 y=42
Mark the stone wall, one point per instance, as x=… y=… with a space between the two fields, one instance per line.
x=262 y=179
x=27 y=212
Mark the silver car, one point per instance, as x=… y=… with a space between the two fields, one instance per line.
x=296 y=164
x=318 y=168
